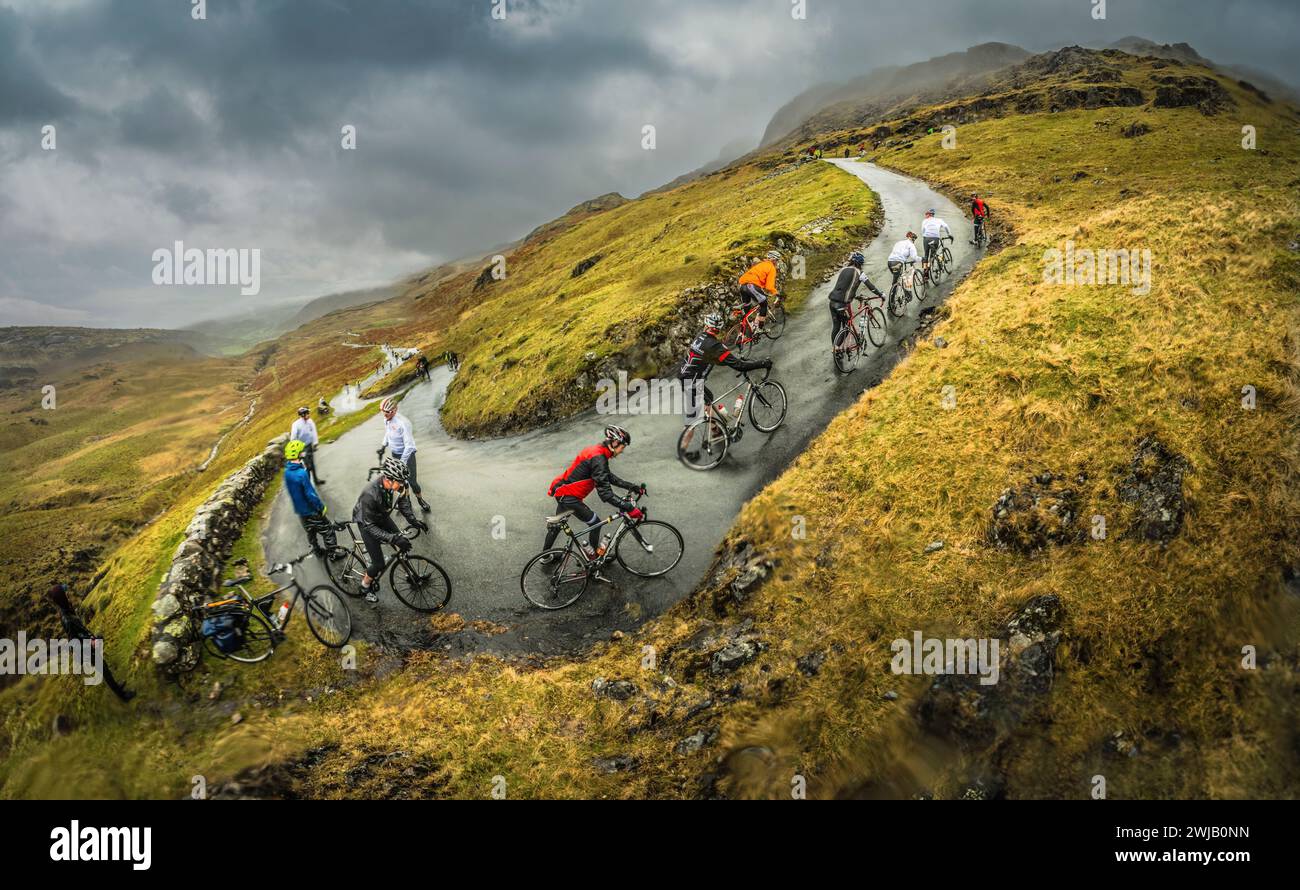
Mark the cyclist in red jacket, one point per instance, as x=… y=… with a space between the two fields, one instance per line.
x=980 y=211
x=590 y=471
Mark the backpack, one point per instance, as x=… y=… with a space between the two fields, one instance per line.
x=225 y=630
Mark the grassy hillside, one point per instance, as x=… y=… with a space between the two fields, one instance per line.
x=780 y=664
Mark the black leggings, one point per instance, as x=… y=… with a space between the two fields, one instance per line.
x=696 y=397
x=931 y=248
x=375 y=552
x=754 y=292
x=309 y=461
x=839 y=318
x=410 y=470
x=583 y=512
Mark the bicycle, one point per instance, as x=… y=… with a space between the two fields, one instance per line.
x=940 y=262
x=327 y=614
x=417 y=581
x=742 y=335
x=851 y=343
x=981 y=237
x=767 y=406
x=556 y=578
x=913 y=282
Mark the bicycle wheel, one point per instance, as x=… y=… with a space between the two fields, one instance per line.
x=897 y=307
x=556 y=584
x=655 y=549
x=947 y=260
x=328 y=616
x=775 y=325
x=845 y=352
x=876 y=326
x=708 y=444
x=259 y=641
x=919 y=286
x=346 y=573
x=767 y=405
x=420 y=583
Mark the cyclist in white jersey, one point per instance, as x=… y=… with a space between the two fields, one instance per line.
x=932 y=229
x=398 y=436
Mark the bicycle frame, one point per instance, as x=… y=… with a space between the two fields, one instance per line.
x=619 y=532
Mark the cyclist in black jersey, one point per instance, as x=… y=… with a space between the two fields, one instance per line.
x=706 y=352
x=372 y=514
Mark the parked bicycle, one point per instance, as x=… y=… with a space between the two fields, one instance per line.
x=865 y=324
x=743 y=334
x=243 y=628
x=556 y=578
x=704 y=443
x=418 y=581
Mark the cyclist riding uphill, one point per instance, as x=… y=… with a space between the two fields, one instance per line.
x=904 y=252
x=373 y=516
x=705 y=352
x=845 y=290
x=304 y=431
x=932 y=229
x=590 y=470
x=398 y=436
x=758 y=282
x=980 y=211
x=306 y=502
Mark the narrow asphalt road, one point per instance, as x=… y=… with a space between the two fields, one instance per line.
x=489 y=497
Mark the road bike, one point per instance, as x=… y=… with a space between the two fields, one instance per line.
x=704 y=443
x=910 y=282
x=418 y=581
x=743 y=334
x=865 y=324
x=981 y=238
x=940 y=263
x=557 y=577
x=327 y=614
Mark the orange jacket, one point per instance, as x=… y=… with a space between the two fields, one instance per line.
x=763 y=274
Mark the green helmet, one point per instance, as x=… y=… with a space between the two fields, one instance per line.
x=293 y=450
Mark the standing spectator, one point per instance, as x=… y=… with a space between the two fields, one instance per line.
x=304 y=431
x=307 y=504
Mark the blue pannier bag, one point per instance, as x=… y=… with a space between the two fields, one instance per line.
x=226 y=631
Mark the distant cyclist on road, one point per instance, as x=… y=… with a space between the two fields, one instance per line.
x=306 y=502
x=845 y=291
x=590 y=471
x=398 y=437
x=373 y=516
x=904 y=252
x=705 y=352
x=304 y=431
x=932 y=230
x=759 y=282
x=422 y=367
x=980 y=211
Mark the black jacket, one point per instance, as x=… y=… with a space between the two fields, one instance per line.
x=373 y=509
x=705 y=352
x=846 y=287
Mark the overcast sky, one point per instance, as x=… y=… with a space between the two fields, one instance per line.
x=225 y=133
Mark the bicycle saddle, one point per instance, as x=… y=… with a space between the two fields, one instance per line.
x=233 y=581
x=558 y=517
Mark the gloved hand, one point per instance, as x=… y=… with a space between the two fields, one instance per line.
x=767 y=363
x=400 y=542
x=381 y=451
x=636 y=513
x=640 y=486
x=324 y=509
x=421 y=525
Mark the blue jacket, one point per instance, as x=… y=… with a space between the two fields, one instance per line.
x=297 y=481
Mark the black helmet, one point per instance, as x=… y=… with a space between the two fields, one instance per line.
x=304 y=411
x=857 y=259
x=616 y=435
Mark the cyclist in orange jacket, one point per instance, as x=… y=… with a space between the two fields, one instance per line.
x=758 y=282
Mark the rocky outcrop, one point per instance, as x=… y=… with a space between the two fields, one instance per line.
x=196 y=565
x=1043 y=511
x=1153 y=486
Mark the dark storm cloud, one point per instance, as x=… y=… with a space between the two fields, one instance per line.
x=471 y=131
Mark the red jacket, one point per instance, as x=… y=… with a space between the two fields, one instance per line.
x=590 y=470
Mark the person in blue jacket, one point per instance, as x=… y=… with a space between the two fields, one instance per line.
x=306 y=502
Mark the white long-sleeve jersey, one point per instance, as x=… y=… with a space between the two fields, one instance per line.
x=398 y=437
x=933 y=227
x=904 y=252
x=304 y=430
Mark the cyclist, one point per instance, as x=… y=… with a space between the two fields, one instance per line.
x=932 y=230
x=707 y=350
x=76 y=629
x=422 y=367
x=590 y=471
x=904 y=252
x=980 y=211
x=845 y=291
x=306 y=502
x=322 y=406
x=373 y=516
x=757 y=283
x=304 y=431
x=398 y=436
